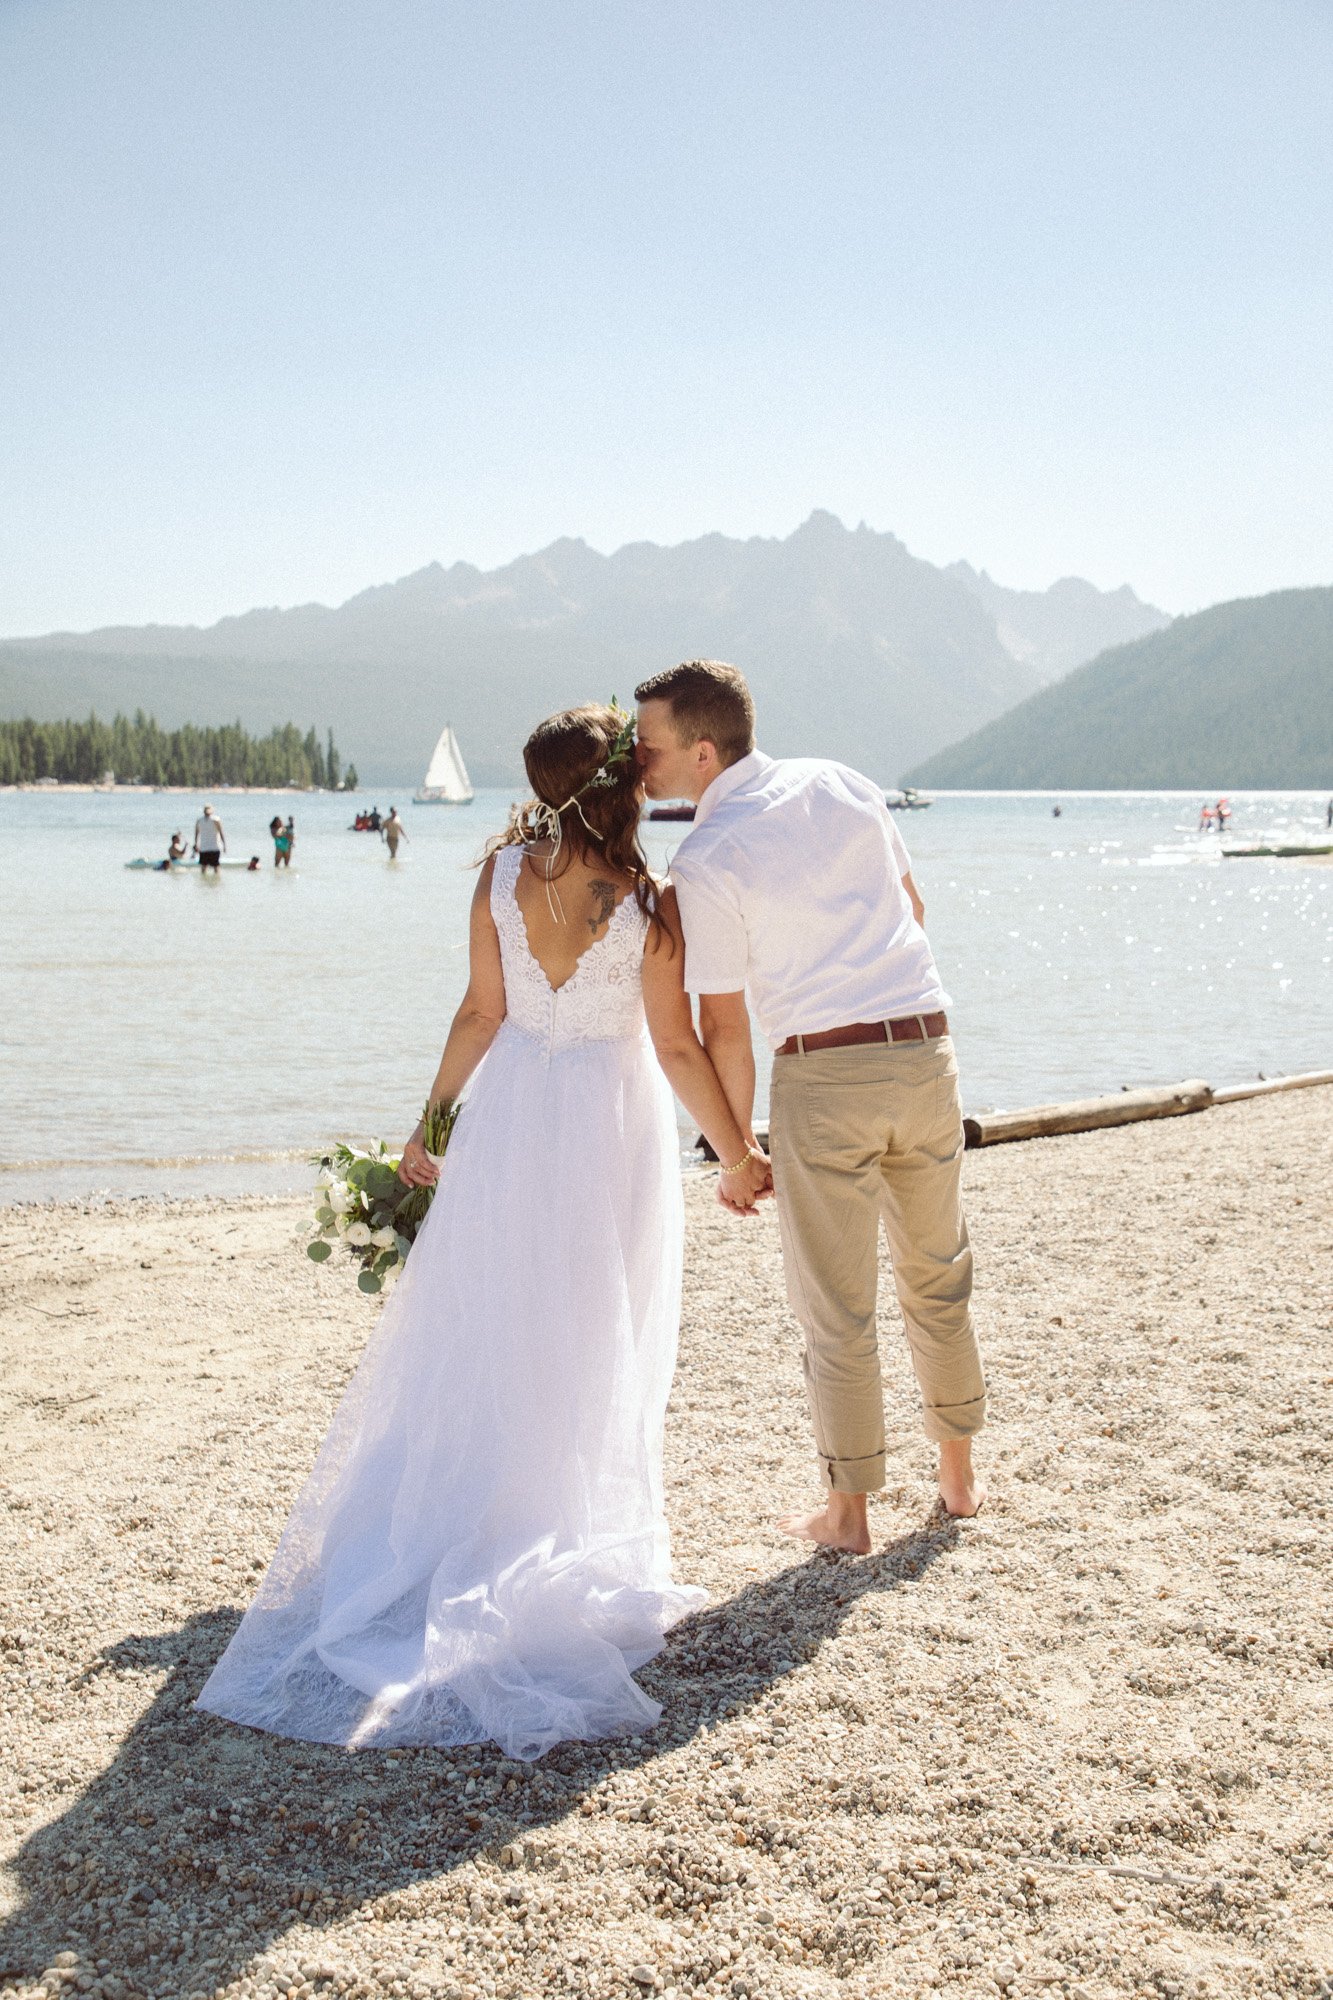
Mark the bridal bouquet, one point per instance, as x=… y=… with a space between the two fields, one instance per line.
x=361 y=1204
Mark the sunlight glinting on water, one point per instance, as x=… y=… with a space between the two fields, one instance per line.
x=173 y=1033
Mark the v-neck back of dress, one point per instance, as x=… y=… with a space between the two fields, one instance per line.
x=602 y=998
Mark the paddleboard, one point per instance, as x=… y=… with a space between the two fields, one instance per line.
x=172 y=867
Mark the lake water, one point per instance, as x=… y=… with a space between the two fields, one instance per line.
x=175 y=1033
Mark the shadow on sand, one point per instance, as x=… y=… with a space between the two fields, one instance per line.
x=203 y=1844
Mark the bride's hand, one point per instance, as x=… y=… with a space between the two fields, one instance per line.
x=742 y=1190
x=416 y=1168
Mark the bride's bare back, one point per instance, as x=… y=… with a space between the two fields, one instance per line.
x=585 y=894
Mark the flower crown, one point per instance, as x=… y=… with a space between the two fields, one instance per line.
x=620 y=753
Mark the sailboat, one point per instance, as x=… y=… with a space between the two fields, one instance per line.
x=447 y=782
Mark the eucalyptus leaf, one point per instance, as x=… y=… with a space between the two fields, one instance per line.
x=368 y=1282
x=319 y=1250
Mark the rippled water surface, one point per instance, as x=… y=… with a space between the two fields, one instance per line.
x=173 y=1032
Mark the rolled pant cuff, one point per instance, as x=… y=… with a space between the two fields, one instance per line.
x=854 y=1475
x=954 y=1420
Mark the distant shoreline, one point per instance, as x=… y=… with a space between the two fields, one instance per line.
x=365 y=789
x=188 y=791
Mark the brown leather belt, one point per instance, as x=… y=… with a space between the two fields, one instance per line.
x=912 y=1028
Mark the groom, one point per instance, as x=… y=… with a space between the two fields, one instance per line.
x=794 y=887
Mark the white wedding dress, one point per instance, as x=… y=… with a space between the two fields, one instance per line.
x=481 y=1551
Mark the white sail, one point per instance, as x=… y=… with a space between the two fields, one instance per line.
x=447 y=782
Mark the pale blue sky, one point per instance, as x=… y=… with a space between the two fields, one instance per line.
x=300 y=295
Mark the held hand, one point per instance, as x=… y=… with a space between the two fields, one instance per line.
x=743 y=1189
x=416 y=1168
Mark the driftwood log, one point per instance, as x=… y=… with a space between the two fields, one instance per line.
x=1306 y=1081
x=1088 y=1114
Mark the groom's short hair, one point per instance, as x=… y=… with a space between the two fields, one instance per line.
x=708 y=699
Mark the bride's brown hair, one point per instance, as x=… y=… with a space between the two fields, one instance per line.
x=562 y=757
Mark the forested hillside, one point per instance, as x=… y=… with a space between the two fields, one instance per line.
x=1237 y=696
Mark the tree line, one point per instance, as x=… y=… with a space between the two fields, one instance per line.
x=139 y=752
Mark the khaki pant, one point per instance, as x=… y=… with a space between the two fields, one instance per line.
x=857 y=1133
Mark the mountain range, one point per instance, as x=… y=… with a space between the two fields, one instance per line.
x=855 y=648
x=1234 y=698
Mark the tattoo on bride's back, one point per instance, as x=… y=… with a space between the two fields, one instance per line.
x=605 y=894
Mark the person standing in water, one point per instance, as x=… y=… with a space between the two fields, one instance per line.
x=209 y=840
x=282 y=843
x=393 y=831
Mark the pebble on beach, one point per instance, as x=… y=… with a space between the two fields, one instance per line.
x=1079 y=1746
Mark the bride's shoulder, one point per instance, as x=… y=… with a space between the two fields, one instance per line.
x=498 y=872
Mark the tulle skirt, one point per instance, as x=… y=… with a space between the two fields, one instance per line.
x=481 y=1550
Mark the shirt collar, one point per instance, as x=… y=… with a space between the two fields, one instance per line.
x=729 y=781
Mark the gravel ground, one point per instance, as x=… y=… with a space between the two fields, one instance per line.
x=1079 y=1746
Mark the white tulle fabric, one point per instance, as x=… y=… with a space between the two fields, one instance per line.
x=481 y=1551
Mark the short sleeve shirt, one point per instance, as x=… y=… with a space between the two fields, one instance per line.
x=790 y=887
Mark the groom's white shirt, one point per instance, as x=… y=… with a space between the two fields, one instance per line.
x=790 y=886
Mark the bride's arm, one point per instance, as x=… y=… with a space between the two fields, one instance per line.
x=474 y=1026
x=685 y=1061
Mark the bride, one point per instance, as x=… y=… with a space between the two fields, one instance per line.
x=480 y=1550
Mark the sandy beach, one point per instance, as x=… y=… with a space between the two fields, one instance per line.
x=1081 y=1745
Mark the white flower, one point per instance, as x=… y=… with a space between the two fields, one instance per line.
x=324 y=1178
x=359 y=1233
x=340 y=1198
x=390 y=1277
x=384 y=1239
x=342 y=1224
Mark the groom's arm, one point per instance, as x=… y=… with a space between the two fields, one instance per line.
x=717 y=956
x=724 y=1030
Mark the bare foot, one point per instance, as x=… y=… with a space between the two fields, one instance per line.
x=961 y=1492
x=839 y=1524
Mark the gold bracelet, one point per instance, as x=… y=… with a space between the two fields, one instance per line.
x=744 y=1160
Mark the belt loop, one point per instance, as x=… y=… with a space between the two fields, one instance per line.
x=800 y=1045
x=925 y=1036
x=888 y=1031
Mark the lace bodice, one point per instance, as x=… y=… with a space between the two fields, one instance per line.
x=601 y=1001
